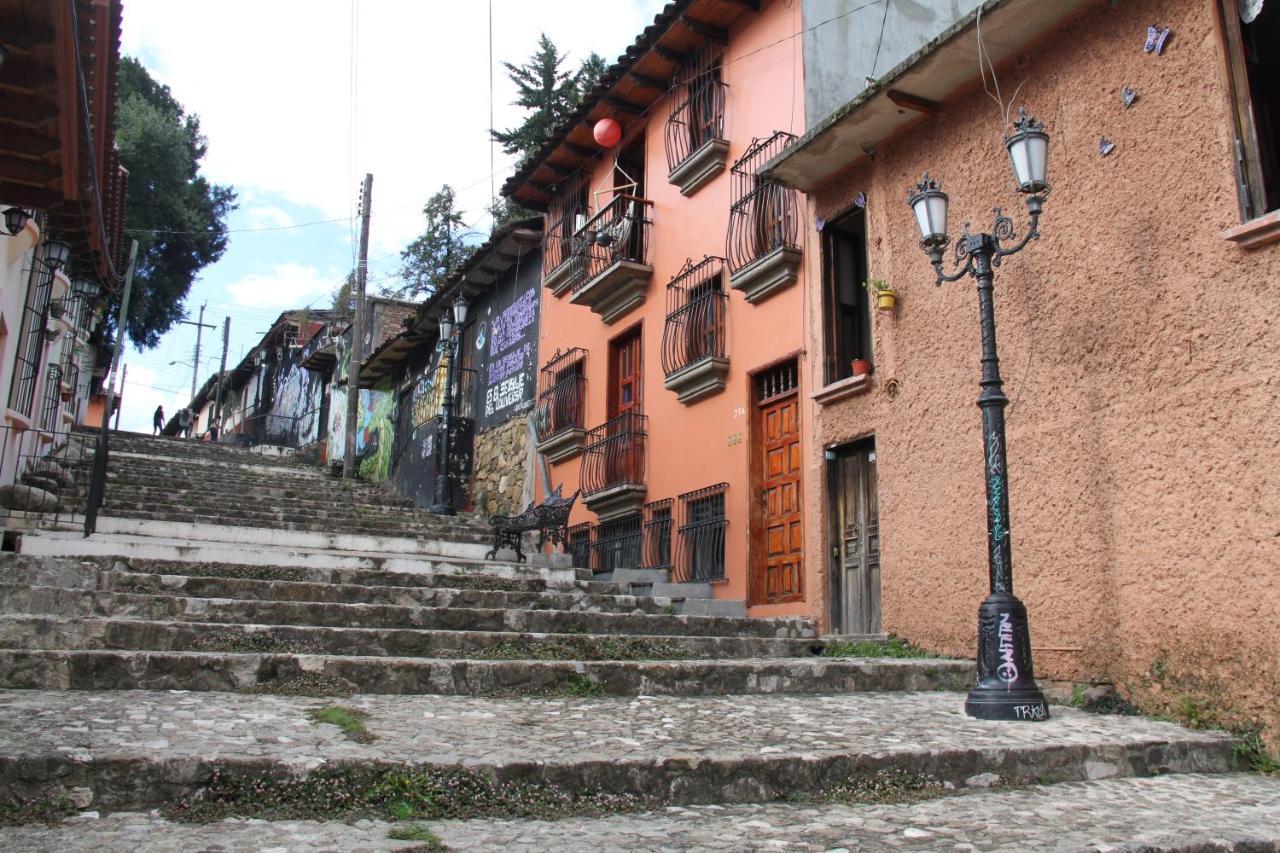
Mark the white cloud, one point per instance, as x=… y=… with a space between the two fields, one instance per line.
x=145 y=389
x=269 y=216
x=272 y=85
x=286 y=286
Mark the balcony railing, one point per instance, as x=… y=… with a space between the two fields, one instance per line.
x=695 y=143
x=563 y=256
x=693 y=337
x=763 y=241
x=580 y=544
x=618 y=233
x=702 y=535
x=614 y=456
x=562 y=388
x=52 y=398
x=616 y=544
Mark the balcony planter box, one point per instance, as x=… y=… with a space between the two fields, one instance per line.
x=701 y=166
x=565 y=444
x=562 y=277
x=700 y=379
x=615 y=501
x=768 y=274
x=616 y=290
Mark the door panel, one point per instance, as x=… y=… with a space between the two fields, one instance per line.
x=857 y=513
x=778 y=573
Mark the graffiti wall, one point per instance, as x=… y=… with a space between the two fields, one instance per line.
x=505 y=341
x=296 y=399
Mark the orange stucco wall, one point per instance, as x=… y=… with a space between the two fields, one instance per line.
x=691 y=446
x=1139 y=350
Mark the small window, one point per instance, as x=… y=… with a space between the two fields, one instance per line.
x=580 y=544
x=617 y=544
x=657 y=534
x=702 y=532
x=1253 y=54
x=846 y=305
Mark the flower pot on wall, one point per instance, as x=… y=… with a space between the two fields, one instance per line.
x=861 y=367
x=886 y=300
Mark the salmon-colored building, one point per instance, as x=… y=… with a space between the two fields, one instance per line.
x=1137 y=339
x=671 y=363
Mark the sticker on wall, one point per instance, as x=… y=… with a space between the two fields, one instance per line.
x=1157 y=38
x=1105 y=146
x=860 y=199
x=1129 y=96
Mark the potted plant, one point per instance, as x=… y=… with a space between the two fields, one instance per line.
x=56 y=309
x=885 y=296
x=861 y=367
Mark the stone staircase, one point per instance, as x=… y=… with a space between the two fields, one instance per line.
x=251 y=655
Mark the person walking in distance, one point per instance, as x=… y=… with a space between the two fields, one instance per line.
x=213 y=429
x=157 y=422
x=184 y=422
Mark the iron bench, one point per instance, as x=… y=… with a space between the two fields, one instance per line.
x=550 y=518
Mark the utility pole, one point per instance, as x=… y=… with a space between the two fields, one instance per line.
x=222 y=370
x=201 y=325
x=357 y=332
x=124 y=377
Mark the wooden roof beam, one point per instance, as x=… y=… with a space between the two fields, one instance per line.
x=647 y=82
x=913 y=102
x=580 y=150
x=624 y=105
x=710 y=32
x=668 y=54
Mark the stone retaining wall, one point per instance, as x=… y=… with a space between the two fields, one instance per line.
x=499 y=469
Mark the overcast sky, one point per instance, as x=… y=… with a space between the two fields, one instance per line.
x=272 y=82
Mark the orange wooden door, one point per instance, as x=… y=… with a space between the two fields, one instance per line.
x=623 y=454
x=780 y=564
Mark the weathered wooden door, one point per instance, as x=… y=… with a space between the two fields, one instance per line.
x=779 y=574
x=622 y=452
x=855 y=514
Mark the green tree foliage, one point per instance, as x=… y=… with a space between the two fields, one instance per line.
x=437 y=251
x=549 y=93
x=176 y=215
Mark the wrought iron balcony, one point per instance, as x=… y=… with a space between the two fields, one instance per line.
x=696 y=147
x=613 y=466
x=693 y=337
x=617 y=544
x=564 y=260
x=657 y=535
x=702 y=534
x=615 y=250
x=562 y=388
x=763 y=243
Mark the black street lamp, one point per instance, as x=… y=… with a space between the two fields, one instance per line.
x=450 y=331
x=1006 y=688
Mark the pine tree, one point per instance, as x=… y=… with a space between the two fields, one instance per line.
x=439 y=250
x=549 y=93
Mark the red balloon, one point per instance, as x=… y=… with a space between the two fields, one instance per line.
x=607 y=132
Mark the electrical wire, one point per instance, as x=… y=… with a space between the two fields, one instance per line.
x=880 y=39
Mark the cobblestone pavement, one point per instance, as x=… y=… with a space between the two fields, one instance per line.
x=1162 y=813
x=466 y=730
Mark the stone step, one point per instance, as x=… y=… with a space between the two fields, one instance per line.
x=194 y=533
x=24 y=600
x=51 y=632
x=345 y=522
x=457 y=594
x=270 y=508
x=272 y=497
x=338 y=675
x=224 y=753
x=1185 y=813
x=269 y=557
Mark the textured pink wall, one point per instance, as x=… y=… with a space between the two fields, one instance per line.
x=1139 y=349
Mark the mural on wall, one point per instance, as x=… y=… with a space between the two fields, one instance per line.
x=295 y=401
x=375 y=434
x=506 y=342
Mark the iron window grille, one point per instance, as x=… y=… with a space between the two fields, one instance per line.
x=618 y=232
x=71 y=388
x=616 y=544
x=764 y=215
x=697 y=107
x=579 y=545
x=562 y=386
x=26 y=363
x=614 y=454
x=702 y=532
x=561 y=243
x=52 y=398
x=657 y=534
x=696 y=308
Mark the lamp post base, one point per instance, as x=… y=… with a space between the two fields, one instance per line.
x=1006 y=687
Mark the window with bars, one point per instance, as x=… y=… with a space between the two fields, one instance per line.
x=569 y=210
x=562 y=393
x=777 y=381
x=580 y=544
x=617 y=544
x=697 y=107
x=657 y=534
x=701 y=535
x=696 y=308
x=26 y=364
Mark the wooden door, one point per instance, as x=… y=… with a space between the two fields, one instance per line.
x=623 y=455
x=856 y=522
x=779 y=570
